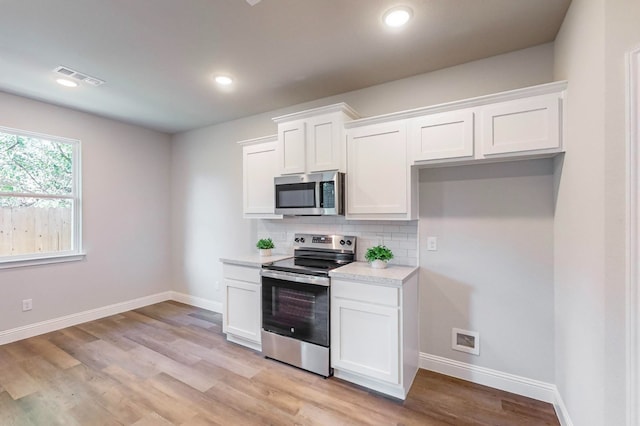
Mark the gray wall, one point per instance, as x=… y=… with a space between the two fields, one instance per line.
x=590 y=225
x=125 y=181
x=493 y=270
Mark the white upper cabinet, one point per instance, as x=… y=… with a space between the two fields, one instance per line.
x=381 y=155
x=521 y=123
x=291 y=147
x=259 y=167
x=529 y=124
x=442 y=136
x=325 y=144
x=380 y=181
x=313 y=141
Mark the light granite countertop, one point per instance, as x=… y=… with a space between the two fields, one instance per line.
x=253 y=259
x=392 y=275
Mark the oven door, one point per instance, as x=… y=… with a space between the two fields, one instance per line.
x=296 y=305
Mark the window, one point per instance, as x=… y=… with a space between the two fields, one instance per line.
x=39 y=198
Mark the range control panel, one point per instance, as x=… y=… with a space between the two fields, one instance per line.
x=329 y=242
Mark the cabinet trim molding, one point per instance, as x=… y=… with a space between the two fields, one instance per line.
x=262 y=139
x=542 y=89
x=328 y=109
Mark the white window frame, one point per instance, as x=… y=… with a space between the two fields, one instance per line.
x=76 y=253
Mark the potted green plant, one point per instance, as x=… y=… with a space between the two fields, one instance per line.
x=378 y=256
x=265 y=245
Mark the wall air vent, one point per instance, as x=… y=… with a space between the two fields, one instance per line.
x=465 y=341
x=68 y=72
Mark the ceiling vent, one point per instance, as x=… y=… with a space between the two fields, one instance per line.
x=68 y=72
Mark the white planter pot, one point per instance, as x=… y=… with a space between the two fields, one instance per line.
x=265 y=252
x=379 y=264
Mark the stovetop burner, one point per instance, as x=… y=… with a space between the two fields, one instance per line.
x=305 y=266
x=317 y=254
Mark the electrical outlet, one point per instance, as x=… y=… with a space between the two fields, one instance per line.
x=217 y=285
x=432 y=243
x=27 y=305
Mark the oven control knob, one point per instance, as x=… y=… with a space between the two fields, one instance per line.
x=341 y=242
x=297 y=240
x=349 y=242
x=302 y=240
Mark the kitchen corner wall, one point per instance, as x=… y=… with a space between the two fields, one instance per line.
x=590 y=223
x=400 y=237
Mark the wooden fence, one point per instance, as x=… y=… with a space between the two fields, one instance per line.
x=26 y=230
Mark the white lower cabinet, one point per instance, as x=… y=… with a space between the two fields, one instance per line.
x=374 y=334
x=242 y=321
x=367 y=340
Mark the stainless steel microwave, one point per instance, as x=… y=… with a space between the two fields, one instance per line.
x=315 y=194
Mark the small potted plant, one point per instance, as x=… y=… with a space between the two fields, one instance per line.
x=378 y=256
x=265 y=245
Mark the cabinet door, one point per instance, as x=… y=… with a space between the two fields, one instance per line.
x=521 y=125
x=365 y=339
x=378 y=174
x=442 y=136
x=242 y=310
x=259 y=165
x=291 y=147
x=323 y=143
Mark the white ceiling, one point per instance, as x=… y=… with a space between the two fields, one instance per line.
x=158 y=56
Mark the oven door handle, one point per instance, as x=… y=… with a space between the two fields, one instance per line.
x=299 y=278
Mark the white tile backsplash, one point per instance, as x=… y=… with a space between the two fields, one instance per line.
x=401 y=238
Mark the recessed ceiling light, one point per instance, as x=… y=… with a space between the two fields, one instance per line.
x=397 y=16
x=66 y=83
x=224 y=80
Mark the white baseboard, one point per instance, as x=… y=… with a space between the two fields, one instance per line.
x=561 y=411
x=31 y=330
x=530 y=388
x=198 y=302
x=519 y=385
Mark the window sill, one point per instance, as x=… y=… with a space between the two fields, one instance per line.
x=41 y=260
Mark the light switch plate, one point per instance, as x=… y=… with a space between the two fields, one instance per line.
x=432 y=243
x=27 y=305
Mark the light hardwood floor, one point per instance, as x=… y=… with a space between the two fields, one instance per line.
x=169 y=364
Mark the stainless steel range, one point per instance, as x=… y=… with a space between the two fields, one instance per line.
x=295 y=301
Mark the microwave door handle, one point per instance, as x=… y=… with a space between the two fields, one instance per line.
x=319 y=201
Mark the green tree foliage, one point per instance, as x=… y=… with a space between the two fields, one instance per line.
x=31 y=165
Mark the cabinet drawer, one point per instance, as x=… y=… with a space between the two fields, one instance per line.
x=369 y=293
x=241 y=273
